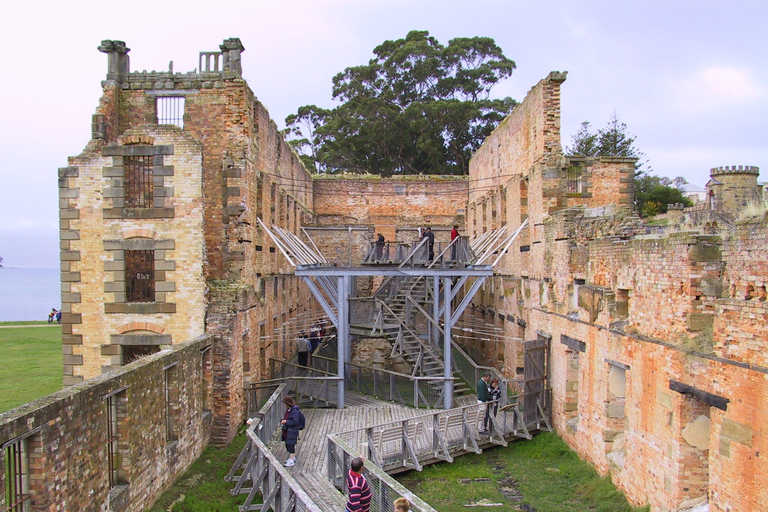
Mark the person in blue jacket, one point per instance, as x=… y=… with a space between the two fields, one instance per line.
x=290 y=424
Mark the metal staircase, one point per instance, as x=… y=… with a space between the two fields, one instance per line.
x=397 y=301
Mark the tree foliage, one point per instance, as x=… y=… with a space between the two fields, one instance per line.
x=416 y=107
x=653 y=194
x=613 y=140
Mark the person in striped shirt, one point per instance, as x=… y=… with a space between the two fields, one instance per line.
x=359 y=491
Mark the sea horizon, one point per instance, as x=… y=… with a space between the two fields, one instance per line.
x=28 y=293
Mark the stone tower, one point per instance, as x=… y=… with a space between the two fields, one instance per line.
x=733 y=187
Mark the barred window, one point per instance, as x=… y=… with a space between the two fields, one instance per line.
x=170 y=110
x=574 y=180
x=17 y=497
x=139 y=276
x=138 y=182
x=116 y=416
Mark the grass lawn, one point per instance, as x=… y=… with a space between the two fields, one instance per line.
x=202 y=488
x=32 y=366
x=542 y=475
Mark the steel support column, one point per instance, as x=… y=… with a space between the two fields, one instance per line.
x=447 y=352
x=343 y=347
x=435 y=339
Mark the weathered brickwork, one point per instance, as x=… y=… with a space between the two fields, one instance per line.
x=388 y=204
x=657 y=365
x=67 y=433
x=214 y=271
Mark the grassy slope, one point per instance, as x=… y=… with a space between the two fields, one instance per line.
x=543 y=475
x=31 y=366
x=202 y=488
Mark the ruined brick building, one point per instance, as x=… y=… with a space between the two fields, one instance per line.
x=174 y=299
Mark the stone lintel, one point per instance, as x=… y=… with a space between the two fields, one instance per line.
x=708 y=398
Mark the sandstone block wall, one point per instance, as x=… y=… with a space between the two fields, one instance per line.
x=95 y=316
x=67 y=433
x=215 y=270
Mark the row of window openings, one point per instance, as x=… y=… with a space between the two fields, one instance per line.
x=17 y=454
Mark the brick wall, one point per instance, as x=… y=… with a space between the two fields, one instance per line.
x=390 y=203
x=67 y=433
x=638 y=388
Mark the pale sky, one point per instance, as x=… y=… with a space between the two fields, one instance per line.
x=689 y=78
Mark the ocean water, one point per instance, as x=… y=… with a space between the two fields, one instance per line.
x=28 y=293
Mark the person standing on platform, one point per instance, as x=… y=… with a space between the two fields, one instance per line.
x=430 y=236
x=483 y=396
x=359 y=491
x=291 y=423
x=454 y=242
x=380 y=243
x=493 y=407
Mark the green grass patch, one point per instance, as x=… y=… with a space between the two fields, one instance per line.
x=202 y=488
x=26 y=322
x=663 y=222
x=32 y=364
x=542 y=475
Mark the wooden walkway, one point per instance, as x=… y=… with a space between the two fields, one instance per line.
x=311 y=469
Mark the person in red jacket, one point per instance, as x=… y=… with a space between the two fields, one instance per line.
x=455 y=245
x=359 y=491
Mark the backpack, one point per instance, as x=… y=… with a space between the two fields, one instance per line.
x=302 y=421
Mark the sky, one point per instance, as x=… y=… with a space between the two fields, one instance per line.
x=689 y=78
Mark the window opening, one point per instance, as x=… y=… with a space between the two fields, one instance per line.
x=207 y=380
x=572 y=390
x=116 y=414
x=622 y=302
x=17 y=496
x=170 y=404
x=574 y=180
x=139 y=276
x=138 y=182
x=133 y=352
x=170 y=110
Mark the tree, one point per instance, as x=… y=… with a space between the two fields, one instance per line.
x=613 y=140
x=653 y=194
x=416 y=107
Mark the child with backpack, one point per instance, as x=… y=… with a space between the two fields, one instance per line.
x=293 y=421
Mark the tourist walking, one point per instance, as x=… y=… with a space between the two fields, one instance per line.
x=359 y=491
x=483 y=396
x=291 y=423
x=302 y=349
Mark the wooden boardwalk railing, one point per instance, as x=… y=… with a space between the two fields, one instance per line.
x=391 y=437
